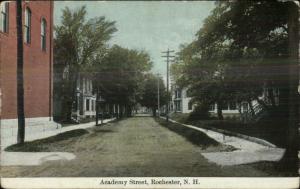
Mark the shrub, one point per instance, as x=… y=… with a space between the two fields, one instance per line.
x=180 y=117
x=200 y=113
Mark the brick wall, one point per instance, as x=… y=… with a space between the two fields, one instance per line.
x=37 y=64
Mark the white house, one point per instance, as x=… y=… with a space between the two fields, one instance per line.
x=181 y=102
x=86 y=99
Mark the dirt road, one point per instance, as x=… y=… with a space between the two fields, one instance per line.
x=136 y=146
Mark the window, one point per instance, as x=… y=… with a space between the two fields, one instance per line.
x=4 y=17
x=178 y=93
x=43 y=34
x=212 y=107
x=86 y=85
x=93 y=105
x=190 y=105
x=27 y=26
x=224 y=106
x=83 y=85
x=90 y=85
x=232 y=106
x=178 y=106
x=87 y=105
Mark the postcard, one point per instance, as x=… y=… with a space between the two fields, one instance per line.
x=150 y=94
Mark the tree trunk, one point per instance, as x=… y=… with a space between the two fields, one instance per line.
x=124 y=111
x=154 y=112
x=271 y=96
x=240 y=108
x=219 y=111
x=121 y=111
x=20 y=79
x=102 y=112
x=290 y=158
x=129 y=111
x=73 y=93
x=97 y=106
x=118 y=111
x=66 y=103
x=251 y=107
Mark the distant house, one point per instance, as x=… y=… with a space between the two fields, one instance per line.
x=233 y=108
x=85 y=99
x=84 y=105
x=38 y=66
x=181 y=101
x=229 y=109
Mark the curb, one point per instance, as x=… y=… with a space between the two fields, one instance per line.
x=46 y=134
x=230 y=133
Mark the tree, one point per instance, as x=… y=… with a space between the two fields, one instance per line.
x=251 y=59
x=77 y=43
x=204 y=77
x=149 y=96
x=278 y=44
x=290 y=160
x=231 y=53
x=119 y=75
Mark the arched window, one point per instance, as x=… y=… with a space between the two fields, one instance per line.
x=4 y=17
x=27 y=26
x=43 y=34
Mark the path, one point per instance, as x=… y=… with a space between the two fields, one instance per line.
x=248 y=152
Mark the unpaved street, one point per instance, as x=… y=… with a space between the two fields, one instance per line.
x=136 y=146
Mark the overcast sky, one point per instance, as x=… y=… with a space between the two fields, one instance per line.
x=150 y=26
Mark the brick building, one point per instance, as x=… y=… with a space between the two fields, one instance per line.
x=38 y=58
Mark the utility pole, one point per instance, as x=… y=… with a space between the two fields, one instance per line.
x=20 y=77
x=158 y=95
x=168 y=56
x=102 y=112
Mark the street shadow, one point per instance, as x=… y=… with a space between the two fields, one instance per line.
x=104 y=131
x=41 y=145
x=143 y=115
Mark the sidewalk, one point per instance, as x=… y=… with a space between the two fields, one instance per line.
x=32 y=158
x=7 y=141
x=37 y=158
x=248 y=151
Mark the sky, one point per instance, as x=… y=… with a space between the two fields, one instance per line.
x=150 y=26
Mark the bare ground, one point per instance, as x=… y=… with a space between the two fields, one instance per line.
x=132 y=147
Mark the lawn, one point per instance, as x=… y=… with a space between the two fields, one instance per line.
x=269 y=131
x=272 y=130
x=44 y=145
x=197 y=138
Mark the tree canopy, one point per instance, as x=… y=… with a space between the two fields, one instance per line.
x=120 y=73
x=234 y=59
x=77 y=43
x=149 y=97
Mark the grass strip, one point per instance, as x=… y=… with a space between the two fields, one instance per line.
x=196 y=137
x=41 y=145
